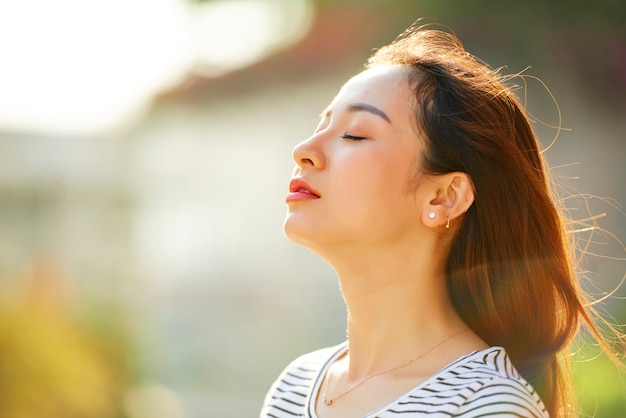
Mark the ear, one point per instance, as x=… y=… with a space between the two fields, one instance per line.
x=451 y=196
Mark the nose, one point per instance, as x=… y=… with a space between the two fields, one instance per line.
x=309 y=153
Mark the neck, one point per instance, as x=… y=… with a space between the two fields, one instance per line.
x=398 y=307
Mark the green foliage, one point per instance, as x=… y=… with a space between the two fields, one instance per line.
x=600 y=385
x=54 y=366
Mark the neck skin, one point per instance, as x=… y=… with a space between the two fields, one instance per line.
x=398 y=306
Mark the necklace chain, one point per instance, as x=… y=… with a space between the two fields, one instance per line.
x=330 y=401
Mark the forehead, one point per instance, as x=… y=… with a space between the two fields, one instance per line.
x=385 y=87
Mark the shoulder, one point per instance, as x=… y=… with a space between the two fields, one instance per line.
x=306 y=367
x=494 y=387
x=483 y=383
x=291 y=390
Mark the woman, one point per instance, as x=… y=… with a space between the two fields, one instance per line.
x=425 y=189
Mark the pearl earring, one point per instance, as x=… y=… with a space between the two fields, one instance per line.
x=432 y=215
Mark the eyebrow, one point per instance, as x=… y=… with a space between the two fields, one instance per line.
x=362 y=107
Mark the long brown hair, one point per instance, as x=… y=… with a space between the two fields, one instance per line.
x=510 y=271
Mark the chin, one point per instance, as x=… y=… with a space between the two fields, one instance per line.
x=292 y=231
x=301 y=233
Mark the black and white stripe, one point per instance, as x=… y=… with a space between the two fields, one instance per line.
x=481 y=384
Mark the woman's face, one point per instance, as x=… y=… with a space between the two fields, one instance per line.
x=354 y=177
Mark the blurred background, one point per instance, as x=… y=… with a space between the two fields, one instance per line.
x=145 y=150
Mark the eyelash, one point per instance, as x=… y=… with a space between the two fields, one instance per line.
x=352 y=137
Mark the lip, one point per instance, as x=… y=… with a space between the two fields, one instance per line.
x=300 y=190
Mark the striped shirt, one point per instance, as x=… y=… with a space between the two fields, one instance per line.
x=483 y=383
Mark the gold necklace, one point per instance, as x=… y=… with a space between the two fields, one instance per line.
x=330 y=401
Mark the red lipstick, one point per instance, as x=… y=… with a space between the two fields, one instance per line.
x=300 y=190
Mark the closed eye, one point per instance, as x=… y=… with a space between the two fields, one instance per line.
x=352 y=137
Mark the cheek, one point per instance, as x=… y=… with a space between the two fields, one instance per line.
x=376 y=188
